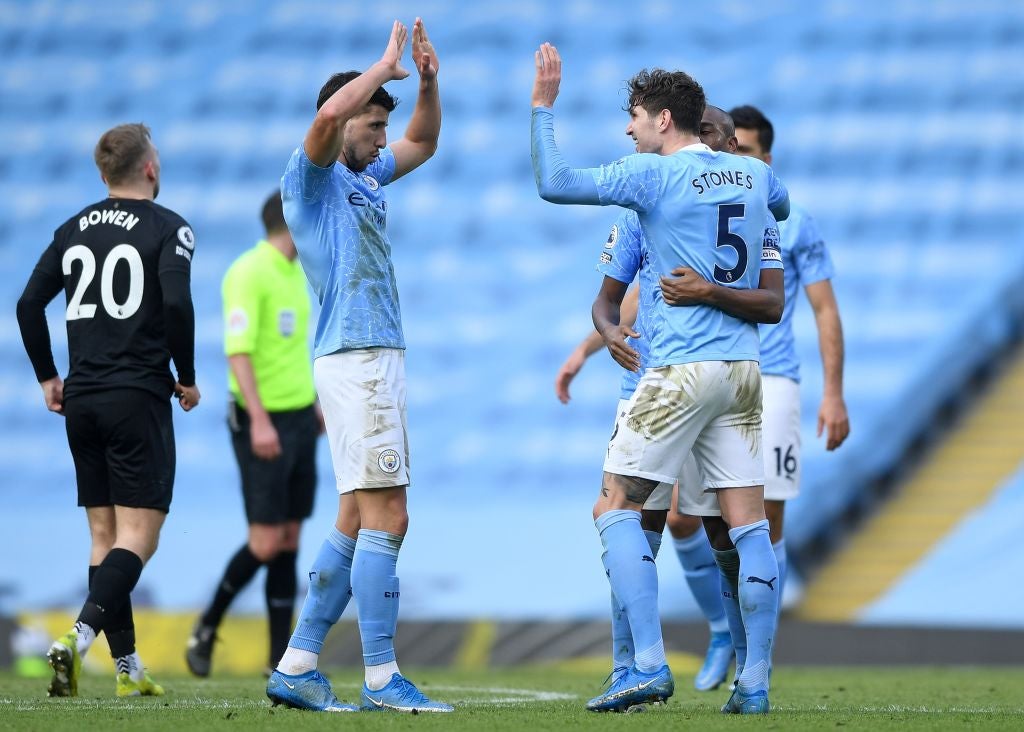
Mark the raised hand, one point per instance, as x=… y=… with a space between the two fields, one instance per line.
x=549 y=75
x=423 y=53
x=392 y=57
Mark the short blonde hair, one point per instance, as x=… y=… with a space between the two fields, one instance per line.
x=120 y=151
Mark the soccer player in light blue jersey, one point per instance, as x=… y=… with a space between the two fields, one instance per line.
x=701 y=390
x=808 y=265
x=334 y=203
x=625 y=246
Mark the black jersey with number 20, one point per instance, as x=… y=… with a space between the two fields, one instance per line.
x=124 y=265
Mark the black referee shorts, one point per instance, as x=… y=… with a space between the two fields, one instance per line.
x=279 y=490
x=122 y=442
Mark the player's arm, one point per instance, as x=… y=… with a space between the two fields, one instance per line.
x=761 y=305
x=43 y=285
x=591 y=345
x=778 y=197
x=266 y=444
x=607 y=313
x=832 y=415
x=556 y=181
x=420 y=140
x=323 y=140
x=242 y=294
x=174 y=271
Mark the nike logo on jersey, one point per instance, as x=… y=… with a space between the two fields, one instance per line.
x=758 y=580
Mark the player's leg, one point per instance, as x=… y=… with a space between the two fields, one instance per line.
x=701 y=571
x=728 y=561
x=775 y=512
x=280 y=590
x=296 y=682
x=258 y=497
x=782 y=459
x=299 y=432
x=652 y=521
x=141 y=457
x=729 y=455
x=650 y=441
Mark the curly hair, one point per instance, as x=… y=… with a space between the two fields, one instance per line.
x=675 y=91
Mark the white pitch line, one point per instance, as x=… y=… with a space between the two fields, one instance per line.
x=511 y=696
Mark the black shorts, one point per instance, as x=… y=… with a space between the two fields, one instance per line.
x=279 y=490
x=122 y=442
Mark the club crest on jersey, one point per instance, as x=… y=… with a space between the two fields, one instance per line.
x=371 y=182
x=187 y=238
x=286 y=322
x=612 y=237
x=389 y=461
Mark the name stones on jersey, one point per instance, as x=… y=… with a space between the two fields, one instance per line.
x=106 y=216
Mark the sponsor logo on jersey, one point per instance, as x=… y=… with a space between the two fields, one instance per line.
x=286 y=322
x=771 y=251
x=183 y=252
x=238 y=322
x=187 y=238
x=389 y=461
x=371 y=182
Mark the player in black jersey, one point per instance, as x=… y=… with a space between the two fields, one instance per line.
x=124 y=266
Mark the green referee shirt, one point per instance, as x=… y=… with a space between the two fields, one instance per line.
x=266 y=315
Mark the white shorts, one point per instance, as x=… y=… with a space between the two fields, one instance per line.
x=362 y=394
x=712 y=408
x=781 y=436
x=694 y=498
x=661 y=498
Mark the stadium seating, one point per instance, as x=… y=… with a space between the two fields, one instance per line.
x=893 y=129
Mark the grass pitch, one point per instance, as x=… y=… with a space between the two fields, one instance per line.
x=546 y=697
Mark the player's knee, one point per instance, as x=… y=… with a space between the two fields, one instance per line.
x=682 y=525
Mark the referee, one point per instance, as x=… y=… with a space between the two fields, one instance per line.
x=274 y=422
x=124 y=265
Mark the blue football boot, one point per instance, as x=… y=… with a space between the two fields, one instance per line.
x=309 y=691
x=634 y=687
x=715 y=670
x=756 y=702
x=400 y=695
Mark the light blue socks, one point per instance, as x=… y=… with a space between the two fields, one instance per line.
x=622 y=635
x=629 y=563
x=329 y=591
x=375 y=589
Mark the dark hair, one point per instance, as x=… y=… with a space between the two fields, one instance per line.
x=273 y=214
x=675 y=91
x=120 y=151
x=380 y=96
x=751 y=118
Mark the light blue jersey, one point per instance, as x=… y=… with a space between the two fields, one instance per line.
x=625 y=256
x=622 y=258
x=807 y=261
x=697 y=208
x=337 y=218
